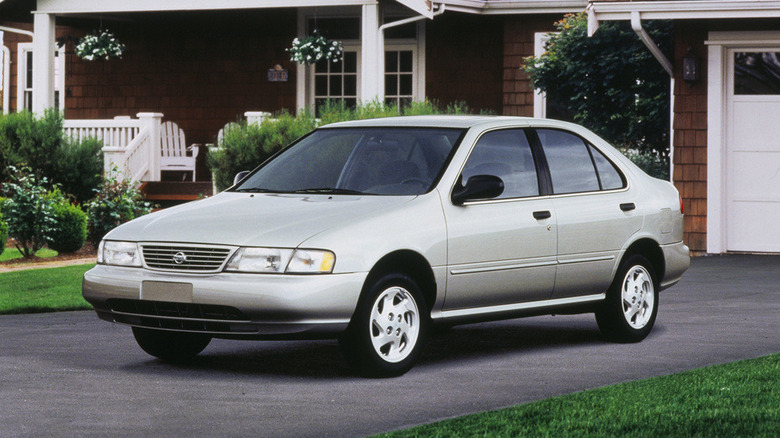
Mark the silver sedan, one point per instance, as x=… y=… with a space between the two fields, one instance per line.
x=374 y=231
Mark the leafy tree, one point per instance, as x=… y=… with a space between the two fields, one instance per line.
x=609 y=83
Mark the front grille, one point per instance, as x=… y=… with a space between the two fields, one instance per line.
x=185 y=258
x=178 y=316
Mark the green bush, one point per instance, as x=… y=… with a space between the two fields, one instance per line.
x=69 y=232
x=79 y=168
x=246 y=145
x=117 y=201
x=3 y=233
x=652 y=162
x=39 y=144
x=28 y=212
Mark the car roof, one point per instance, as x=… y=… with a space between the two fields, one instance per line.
x=438 y=121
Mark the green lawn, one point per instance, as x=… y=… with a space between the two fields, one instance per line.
x=740 y=399
x=42 y=290
x=13 y=253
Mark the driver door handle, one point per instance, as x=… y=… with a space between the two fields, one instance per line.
x=543 y=214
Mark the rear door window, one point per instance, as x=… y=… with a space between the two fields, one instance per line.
x=575 y=165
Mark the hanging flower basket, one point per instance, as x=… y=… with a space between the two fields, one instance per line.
x=100 y=44
x=315 y=47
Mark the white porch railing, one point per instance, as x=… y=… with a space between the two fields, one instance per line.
x=130 y=145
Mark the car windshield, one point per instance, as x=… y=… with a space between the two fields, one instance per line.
x=375 y=161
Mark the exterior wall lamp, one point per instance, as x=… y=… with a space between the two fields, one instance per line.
x=691 y=68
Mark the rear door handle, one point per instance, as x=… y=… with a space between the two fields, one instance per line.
x=544 y=214
x=628 y=206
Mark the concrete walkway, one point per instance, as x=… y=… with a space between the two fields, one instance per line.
x=70 y=374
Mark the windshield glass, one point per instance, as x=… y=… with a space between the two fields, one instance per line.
x=377 y=161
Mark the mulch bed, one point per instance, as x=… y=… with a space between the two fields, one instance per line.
x=88 y=251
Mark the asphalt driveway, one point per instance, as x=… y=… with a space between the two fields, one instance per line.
x=69 y=374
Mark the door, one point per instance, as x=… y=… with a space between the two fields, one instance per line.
x=596 y=212
x=753 y=151
x=501 y=251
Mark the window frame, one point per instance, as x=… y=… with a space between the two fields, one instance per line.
x=24 y=89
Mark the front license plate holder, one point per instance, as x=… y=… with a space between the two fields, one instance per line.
x=166 y=291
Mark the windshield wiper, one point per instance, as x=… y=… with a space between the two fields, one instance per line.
x=330 y=190
x=253 y=190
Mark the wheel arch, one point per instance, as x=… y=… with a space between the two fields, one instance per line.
x=651 y=250
x=408 y=262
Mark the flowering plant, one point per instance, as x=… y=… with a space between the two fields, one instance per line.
x=99 y=45
x=314 y=48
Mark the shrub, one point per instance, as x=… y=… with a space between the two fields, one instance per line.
x=117 y=201
x=39 y=143
x=246 y=145
x=3 y=233
x=28 y=212
x=79 y=168
x=69 y=232
x=653 y=163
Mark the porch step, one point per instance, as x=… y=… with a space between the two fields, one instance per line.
x=170 y=193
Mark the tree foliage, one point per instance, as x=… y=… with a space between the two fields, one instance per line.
x=609 y=83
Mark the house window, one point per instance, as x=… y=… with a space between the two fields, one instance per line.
x=399 y=77
x=544 y=105
x=340 y=82
x=25 y=78
x=337 y=82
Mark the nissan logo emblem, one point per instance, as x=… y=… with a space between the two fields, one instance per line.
x=179 y=258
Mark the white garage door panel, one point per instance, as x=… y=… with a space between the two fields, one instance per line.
x=755 y=226
x=756 y=123
x=756 y=176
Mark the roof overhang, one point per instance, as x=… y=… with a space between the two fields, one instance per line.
x=422 y=7
x=684 y=10
x=66 y=7
x=515 y=7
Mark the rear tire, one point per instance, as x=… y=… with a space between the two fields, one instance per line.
x=170 y=346
x=631 y=306
x=388 y=329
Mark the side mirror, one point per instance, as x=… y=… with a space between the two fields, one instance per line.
x=478 y=187
x=240 y=176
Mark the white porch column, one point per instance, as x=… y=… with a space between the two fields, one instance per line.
x=153 y=121
x=43 y=63
x=371 y=54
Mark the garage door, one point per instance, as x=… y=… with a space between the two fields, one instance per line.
x=753 y=151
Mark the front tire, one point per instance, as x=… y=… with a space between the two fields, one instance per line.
x=630 y=309
x=387 y=332
x=170 y=346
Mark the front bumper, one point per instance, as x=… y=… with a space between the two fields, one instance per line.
x=230 y=305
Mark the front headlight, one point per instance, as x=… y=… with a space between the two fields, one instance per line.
x=311 y=261
x=280 y=260
x=119 y=253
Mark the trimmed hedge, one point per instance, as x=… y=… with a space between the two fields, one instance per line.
x=70 y=230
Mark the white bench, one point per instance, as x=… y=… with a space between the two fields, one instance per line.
x=176 y=155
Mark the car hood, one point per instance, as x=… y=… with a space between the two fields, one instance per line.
x=242 y=219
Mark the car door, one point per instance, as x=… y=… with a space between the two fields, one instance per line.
x=502 y=250
x=596 y=212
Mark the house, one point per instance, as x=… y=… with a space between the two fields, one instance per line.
x=203 y=63
x=726 y=121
